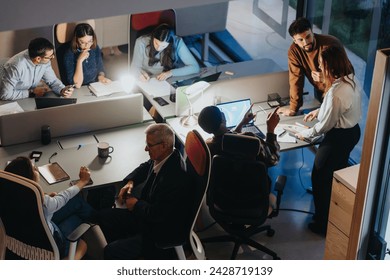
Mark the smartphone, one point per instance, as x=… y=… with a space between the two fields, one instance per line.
x=74 y=182
x=35 y=155
x=161 y=101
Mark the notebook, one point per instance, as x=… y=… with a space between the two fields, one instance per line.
x=234 y=112
x=100 y=89
x=193 y=80
x=47 y=102
x=53 y=173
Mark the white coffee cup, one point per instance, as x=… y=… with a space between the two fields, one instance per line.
x=104 y=149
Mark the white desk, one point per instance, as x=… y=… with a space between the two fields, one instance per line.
x=128 y=143
x=309 y=102
x=249 y=75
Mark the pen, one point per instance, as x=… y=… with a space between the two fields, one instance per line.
x=283 y=132
x=261 y=108
x=145 y=75
x=301 y=125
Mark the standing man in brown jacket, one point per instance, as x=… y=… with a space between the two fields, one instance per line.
x=303 y=61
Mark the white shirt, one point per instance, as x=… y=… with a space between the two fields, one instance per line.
x=341 y=108
x=55 y=203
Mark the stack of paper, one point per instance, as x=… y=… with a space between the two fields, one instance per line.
x=155 y=87
x=100 y=89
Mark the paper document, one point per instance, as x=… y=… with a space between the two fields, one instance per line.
x=10 y=108
x=155 y=87
x=294 y=129
x=100 y=89
x=283 y=136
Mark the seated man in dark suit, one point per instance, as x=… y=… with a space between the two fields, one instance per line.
x=155 y=216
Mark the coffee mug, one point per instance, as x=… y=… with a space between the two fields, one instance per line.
x=104 y=149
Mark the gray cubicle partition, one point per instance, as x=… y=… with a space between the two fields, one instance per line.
x=255 y=87
x=71 y=119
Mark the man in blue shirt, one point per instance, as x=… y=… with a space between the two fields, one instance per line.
x=24 y=71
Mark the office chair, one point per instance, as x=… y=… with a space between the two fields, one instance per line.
x=238 y=195
x=198 y=169
x=144 y=23
x=24 y=232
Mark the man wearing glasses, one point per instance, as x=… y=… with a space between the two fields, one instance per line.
x=25 y=71
x=303 y=62
x=156 y=214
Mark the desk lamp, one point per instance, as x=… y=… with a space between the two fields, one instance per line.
x=190 y=92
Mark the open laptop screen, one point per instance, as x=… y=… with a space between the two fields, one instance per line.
x=47 y=102
x=234 y=111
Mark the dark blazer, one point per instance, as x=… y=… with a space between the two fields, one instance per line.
x=164 y=201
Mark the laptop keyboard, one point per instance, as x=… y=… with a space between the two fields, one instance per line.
x=254 y=130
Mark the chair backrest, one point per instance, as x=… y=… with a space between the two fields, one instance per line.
x=27 y=235
x=144 y=23
x=198 y=164
x=239 y=185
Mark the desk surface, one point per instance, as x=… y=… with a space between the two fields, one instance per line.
x=229 y=71
x=309 y=102
x=129 y=152
x=82 y=94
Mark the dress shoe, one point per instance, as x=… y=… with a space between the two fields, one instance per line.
x=317 y=228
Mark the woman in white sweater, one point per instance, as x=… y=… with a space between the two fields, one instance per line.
x=338 y=119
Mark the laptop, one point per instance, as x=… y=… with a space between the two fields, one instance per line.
x=235 y=111
x=47 y=102
x=193 y=80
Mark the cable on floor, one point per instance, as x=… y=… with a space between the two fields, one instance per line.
x=296 y=210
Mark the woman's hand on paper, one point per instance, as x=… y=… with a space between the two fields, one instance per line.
x=103 y=79
x=299 y=136
x=164 y=75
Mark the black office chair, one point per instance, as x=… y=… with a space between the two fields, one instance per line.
x=24 y=232
x=198 y=169
x=238 y=195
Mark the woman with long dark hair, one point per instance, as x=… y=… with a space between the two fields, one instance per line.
x=162 y=54
x=338 y=119
x=83 y=60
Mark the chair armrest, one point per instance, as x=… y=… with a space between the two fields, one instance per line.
x=78 y=232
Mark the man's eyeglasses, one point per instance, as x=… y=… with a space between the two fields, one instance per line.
x=152 y=145
x=48 y=57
